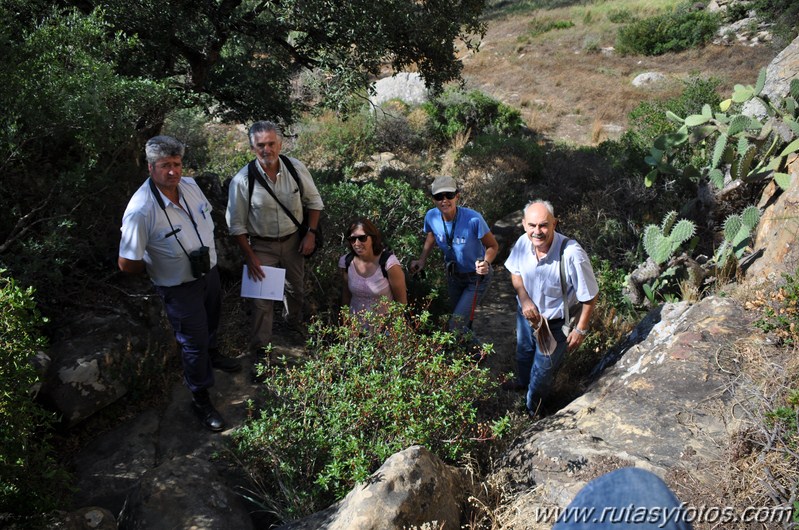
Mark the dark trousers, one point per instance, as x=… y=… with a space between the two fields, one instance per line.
x=193 y=309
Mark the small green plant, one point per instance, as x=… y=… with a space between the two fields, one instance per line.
x=333 y=143
x=372 y=387
x=539 y=26
x=781 y=311
x=620 y=15
x=30 y=478
x=661 y=242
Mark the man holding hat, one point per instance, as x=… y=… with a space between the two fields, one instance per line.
x=469 y=248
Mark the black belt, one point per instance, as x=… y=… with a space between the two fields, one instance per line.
x=274 y=239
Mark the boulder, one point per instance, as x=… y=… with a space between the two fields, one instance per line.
x=185 y=492
x=779 y=74
x=659 y=407
x=405 y=86
x=411 y=488
x=775 y=237
x=95 y=356
x=648 y=79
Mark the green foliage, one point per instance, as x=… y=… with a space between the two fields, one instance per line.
x=621 y=15
x=783 y=15
x=336 y=144
x=749 y=149
x=68 y=118
x=661 y=242
x=369 y=390
x=29 y=476
x=540 y=26
x=491 y=171
x=781 y=311
x=648 y=120
x=679 y=30
x=471 y=113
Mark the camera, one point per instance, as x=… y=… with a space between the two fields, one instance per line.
x=452 y=268
x=200 y=260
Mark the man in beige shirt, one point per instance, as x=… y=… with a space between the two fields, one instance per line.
x=264 y=231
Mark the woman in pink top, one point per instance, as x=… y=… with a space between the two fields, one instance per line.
x=365 y=282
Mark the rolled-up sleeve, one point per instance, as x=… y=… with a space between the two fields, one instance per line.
x=238 y=207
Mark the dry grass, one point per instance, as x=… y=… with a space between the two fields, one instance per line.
x=564 y=87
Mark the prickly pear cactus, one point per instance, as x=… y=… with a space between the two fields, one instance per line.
x=660 y=243
x=738 y=230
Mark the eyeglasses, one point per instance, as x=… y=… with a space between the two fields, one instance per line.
x=362 y=238
x=445 y=195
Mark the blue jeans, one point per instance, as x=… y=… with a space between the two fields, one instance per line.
x=536 y=370
x=624 y=499
x=461 y=288
x=193 y=309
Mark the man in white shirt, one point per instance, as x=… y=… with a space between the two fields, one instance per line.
x=167 y=230
x=535 y=267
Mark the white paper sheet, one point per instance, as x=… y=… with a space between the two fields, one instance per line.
x=270 y=288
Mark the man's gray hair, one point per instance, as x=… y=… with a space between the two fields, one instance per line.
x=547 y=204
x=159 y=147
x=263 y=126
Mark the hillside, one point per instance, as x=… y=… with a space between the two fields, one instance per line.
x=570 y=83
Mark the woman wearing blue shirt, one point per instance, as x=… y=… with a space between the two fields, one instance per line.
x=468 y=245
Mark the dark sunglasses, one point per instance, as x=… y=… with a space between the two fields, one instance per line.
x=361 y=238
x=445 y=195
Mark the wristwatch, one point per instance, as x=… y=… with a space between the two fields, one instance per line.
x=313 y=230
x=582 y=332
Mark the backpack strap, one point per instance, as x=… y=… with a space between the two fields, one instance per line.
x=253 y=174
x=387 y=253
x=563 y=281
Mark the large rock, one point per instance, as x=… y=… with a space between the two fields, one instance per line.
x=405 y=86
x=411 y=488
x=775 y=239
x=779 y=73
x=185 y=492
x=660 y=407
x=97 y=354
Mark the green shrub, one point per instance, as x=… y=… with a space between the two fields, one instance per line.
x=648 y=120
x=331 y=143
x=671 y=32
x=457 y=113
x=540 y=26
x=396 y=129
x=30 y=479
x=621 y=15
x=367 y=392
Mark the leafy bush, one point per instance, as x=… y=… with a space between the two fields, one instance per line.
x=671 y=32
x=540 y=26
x=648 y=120
x=367 y=392
x=331 y=143
x=398 y=130
x=30 y=480
x=783 y=14
x=621 y=15
x=493 y=169
x=456 y=113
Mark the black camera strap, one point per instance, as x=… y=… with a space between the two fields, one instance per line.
x=160 y=201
